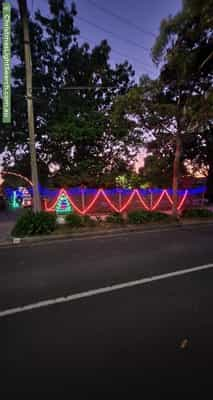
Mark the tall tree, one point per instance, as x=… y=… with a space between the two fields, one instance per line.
x=158 y=110
x=74 y=88
x=184 y=46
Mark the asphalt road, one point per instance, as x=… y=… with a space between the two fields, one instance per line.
x=155 y=337
x=7 y=221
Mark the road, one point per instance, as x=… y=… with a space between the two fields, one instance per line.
x=7 y=221
x=153 y=337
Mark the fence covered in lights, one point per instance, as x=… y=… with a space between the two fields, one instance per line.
x=104 y=201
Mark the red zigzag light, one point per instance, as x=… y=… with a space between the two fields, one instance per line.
x=101 y=192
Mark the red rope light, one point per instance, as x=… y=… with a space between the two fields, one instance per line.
x=142 y=201
x=183 y=200
x=127 y=202
x=158 y=201
x=100 y=192
x=169 y=197
x=92 y=202
x=109 y=201
x=53 y=206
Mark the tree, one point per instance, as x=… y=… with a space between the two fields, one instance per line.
x=74 y=88
x=162 y=120
x=185 y=47
x=157 y=171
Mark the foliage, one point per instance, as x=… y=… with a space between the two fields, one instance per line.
x=197 y=213
x=184 y=45
x=74 y=88
x=157 y=171
x=88 y=221
x=78 y=221
x=74 y=220
x=177 y=107
x=159 y=110
x=193 y=22
x=141 y=217
x=31 y=223
x=130 y=180
x=115 y=218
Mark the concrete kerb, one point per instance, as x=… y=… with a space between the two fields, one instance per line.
x=19 y=242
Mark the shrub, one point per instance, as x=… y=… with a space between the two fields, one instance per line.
x=141 y=217
x=88 y=221
x=78 y=221
x=115 y=218
x=159 y=216
x=31 y=223
x=197 y=213
x=74 y=220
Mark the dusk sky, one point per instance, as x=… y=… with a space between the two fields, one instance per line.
x=130 y=31
x=129 y=40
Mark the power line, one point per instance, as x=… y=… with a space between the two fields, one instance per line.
x=114 y=34
x=121 y=18
x=137 y=60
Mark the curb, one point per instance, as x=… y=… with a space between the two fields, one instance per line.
x=16 y=242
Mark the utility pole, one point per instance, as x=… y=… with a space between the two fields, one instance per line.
x=30 y=111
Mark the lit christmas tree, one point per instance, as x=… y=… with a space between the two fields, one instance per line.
x=63 y=205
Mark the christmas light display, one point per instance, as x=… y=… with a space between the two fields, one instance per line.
x=26 y=197
x=16 y=203
x=18 y=176
x=63 y=205
x=19 y=198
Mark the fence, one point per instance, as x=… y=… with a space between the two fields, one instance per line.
x=100 y=201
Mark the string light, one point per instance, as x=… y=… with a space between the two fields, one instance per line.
x=127 y=202
x=158 y=201
x=63 y=205
x=18 y=176
x=101 y=192
x=169 y=197
x=142 y=201
x=183 y=200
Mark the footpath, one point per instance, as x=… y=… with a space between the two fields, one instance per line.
x=7 y=241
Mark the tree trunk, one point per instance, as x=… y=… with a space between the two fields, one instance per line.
x=30 y=111
x=176 y=173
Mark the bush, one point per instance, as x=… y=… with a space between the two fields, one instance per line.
x=88 y=221
x=115 y=218
x=74 y=220
x=197 y=213
x=31 y=223
x=141 y=217
x=159 y=216
x=77 y=221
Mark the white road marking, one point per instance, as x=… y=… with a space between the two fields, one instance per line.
x=106 y=289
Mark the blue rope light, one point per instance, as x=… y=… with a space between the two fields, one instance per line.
x=52 y=193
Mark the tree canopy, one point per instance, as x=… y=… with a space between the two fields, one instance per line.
x=74 y=88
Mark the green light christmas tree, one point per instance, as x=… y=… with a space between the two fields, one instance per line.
x=63 y=205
